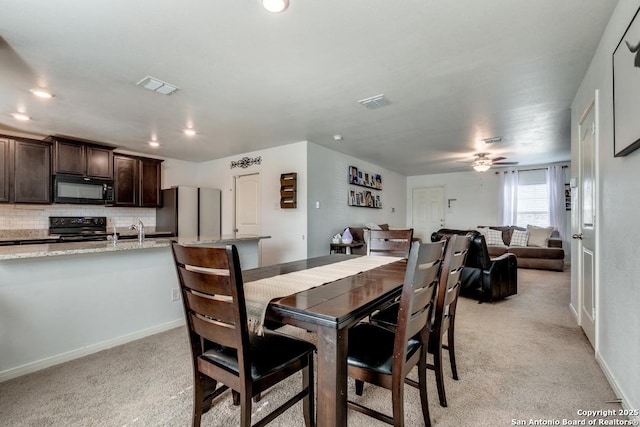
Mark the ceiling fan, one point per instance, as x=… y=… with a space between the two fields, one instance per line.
x=482 y=163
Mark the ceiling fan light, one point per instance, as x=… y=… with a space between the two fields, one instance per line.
x=275 y=6
x=481 y=168
x=481 y=165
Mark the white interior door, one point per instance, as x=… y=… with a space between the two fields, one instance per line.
x=585 y=236
x=248 y=204
x=427 y=211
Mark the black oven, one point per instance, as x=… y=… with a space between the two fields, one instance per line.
x=74 y=189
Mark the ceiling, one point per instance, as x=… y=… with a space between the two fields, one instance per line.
x=454 y=72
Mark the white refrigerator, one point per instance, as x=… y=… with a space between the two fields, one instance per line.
x=189 y=211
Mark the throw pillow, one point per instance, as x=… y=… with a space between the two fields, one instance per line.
x=494 y=237
x=483 y=231
x=519 y=238
x=539 y=236
x=372 y=226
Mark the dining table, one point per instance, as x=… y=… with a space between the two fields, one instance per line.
x=330 y=310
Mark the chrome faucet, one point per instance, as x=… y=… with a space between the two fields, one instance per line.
x=140 y=229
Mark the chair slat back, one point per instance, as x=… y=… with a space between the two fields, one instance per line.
x=449 y=287
x=213 y=297
x=389 y=242
x=418 y=290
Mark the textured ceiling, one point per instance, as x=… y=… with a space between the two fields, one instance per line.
x=455 y=72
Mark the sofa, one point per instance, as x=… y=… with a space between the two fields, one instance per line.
x=484 y=277
x=543 y=255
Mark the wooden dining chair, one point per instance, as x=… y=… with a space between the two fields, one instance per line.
x=384 y=358
x=445 y=310
x=222 y=348
x=389 y=242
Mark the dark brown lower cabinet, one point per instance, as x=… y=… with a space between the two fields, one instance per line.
x=136 y=181
x=25 y=171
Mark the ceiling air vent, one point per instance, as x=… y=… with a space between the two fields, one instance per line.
x=375 y=102
x=492 y=140
x=157 y=85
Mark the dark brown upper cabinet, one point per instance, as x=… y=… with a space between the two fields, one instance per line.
x=81 y=158
x=136 y=181
x=25 y=171
x=4 y=170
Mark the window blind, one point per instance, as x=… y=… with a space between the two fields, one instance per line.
x=533 y=200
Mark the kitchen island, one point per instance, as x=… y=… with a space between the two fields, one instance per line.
x=247 y=247
x=61 y=301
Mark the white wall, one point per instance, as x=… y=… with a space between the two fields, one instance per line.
x=287 y=227
x=328 y=184
x=618 y=269
x=476 y=197
x=180 y=172
x=54 y=309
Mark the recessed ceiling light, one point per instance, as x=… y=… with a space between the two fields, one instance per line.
x=275 y=5
x=42 y=93
x=154 y=144
x=189 y=131
x=20 y=116
x=337 y=137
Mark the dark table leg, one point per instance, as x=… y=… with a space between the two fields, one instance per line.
x=332 y=377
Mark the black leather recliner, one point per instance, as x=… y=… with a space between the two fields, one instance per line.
x=484 y=277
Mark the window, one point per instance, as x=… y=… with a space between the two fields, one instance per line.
x=533 y=199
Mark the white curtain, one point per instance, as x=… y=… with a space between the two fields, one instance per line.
x=509 y=197
x=557 y=209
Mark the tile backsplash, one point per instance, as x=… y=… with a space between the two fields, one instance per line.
x=27 y=217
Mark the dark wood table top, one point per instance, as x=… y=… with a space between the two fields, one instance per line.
x=330 y=310
x=338 y=304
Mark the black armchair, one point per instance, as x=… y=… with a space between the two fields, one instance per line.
x=484 y=277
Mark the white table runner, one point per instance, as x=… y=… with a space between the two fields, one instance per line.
x=259 y=293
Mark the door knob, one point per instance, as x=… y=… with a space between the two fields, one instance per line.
x=577 y=236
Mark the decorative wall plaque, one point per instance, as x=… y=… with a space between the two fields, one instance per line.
x=245 y=162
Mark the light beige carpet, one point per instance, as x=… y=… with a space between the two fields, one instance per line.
x=518 y=359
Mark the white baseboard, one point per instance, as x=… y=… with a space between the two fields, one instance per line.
x=85 y=351
x=573 y=311
x=624 y=401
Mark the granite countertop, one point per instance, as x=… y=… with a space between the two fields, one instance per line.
x=56 y=249
x=43 y=234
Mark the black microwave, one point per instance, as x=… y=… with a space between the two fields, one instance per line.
x=73 y=189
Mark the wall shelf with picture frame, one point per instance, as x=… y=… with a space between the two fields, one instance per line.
x=369 y=197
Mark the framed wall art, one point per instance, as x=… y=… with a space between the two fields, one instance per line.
x=364 y=198
x=626 y=91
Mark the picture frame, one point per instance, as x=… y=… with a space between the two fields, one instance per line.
x=369 y=180
x=626 y=90
x=567 y=197
x=353 y=175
